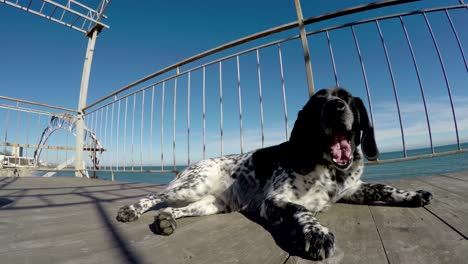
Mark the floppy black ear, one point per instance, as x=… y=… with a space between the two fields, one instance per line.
x=306 y=126
x=368 y=145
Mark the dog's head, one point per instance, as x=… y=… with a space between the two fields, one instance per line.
x=332 y=125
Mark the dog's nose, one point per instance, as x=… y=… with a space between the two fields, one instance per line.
x=339 y=105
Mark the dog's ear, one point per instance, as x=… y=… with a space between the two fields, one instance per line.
x=307 y=123
x=367 y=139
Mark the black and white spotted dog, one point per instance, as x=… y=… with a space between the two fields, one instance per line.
x=288 y=183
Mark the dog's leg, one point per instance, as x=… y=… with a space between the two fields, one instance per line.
x=316 y=240
x=164 y=221
x=129 y=213
x=368 y=193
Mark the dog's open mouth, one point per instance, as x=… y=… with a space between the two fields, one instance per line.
x=341 y=150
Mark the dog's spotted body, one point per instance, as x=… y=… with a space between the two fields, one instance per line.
x=288 y=183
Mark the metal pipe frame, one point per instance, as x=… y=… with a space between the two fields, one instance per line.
x=91 y=18
x=250 y=38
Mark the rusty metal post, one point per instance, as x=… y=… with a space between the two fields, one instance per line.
x=305 y=46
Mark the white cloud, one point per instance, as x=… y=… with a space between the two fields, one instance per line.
x=388 y=132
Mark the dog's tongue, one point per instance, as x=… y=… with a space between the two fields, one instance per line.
x=341 y=149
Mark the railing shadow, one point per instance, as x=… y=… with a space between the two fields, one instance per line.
x=38 y=198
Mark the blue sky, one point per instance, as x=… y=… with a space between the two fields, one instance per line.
x=42 y=61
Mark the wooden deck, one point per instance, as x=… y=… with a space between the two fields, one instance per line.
x=72 y=220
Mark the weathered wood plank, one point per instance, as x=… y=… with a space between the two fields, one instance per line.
x=357 y=239
x=458 y=175
x=413 y=235
x=450 y=207
x=224 y=238
x=458 y=187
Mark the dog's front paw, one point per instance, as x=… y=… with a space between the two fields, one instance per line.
x=127 y=213
x=419 y=198
x=424 y=197
x=319 y=244
x=164 y=224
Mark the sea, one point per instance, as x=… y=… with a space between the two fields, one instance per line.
x=388 y=171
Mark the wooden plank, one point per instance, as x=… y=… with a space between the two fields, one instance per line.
x=457 y=175
x=414 y=235
x=357 y=239
x=456 y=186
x=223 y=238
x=450 y=207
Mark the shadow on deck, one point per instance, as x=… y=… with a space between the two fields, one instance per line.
x=72 y=220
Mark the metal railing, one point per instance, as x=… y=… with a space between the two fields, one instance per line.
x=140 y=140
x=240 y=96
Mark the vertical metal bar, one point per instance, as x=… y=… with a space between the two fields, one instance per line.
x=105 y=128
x=188 y=119
x=111 y=144
x=47 y=154
x=82 y=103
x=260 y=97
x=305 y=47
x=394 y=87
x=458 y=39
x=95 y=125
x=17 y=124
x=408 y=41
x=174 y=121
x=240 y=106
x=125 y=135
x=28 y=129
x=162 y=125
x=42 y=7
x=38 y=127
x=284 y=93
x=204 y=113
x=118 y=132
x=132 y=153
x=151 y=126
x=96 y=122
x=63 y=14
x=66 y=144
x=445 y=78
x=56 y=151
x=89 y=119
x=332 y=58
x=221 y=132
x=142 y=123
x=364 y=75
x=7 y=124
x=100 y=129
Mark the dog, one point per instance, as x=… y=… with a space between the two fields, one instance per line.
x=289 y=183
